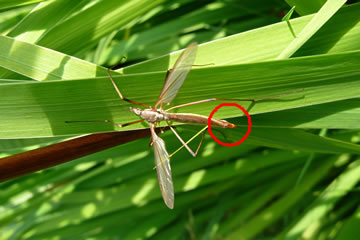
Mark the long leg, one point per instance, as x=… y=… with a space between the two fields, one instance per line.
x=121 y=96
x=225 y=99
x=184 y=143
x=109 y=121
x=197 y=134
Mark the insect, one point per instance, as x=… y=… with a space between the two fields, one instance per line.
x=154 y=114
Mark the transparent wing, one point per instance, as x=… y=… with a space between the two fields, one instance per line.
x=163 y=169
x=177 y=75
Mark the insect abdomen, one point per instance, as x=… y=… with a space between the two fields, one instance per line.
x=197 y=119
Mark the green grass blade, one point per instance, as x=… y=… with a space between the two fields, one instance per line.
x=335 y=115
x=16 y=3
x=269 y=215
x=312 y=220
x=305 y=7
x=41 y=63
x=47 y=105
x=320 y=18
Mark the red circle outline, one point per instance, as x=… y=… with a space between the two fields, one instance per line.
x=212 y=114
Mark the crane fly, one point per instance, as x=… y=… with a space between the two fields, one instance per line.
x=174 y=80
x=154 y=114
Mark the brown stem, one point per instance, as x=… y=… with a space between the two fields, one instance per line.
x=45 y=157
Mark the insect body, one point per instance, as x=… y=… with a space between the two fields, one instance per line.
x=158 y=115
x=153 y=115
x=149 y=115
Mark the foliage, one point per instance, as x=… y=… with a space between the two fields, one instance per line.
x=296 y=175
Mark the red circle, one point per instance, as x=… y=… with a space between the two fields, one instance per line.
x=212 y=114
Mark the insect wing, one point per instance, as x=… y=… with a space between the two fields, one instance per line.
x=177 y=75
x=163 y=169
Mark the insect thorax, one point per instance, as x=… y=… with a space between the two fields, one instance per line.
x=148 y=114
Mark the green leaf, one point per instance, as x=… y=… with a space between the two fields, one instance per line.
x=335 y=115
x=320 y=18
x=54 y=11
x=304 y=7
x=311 y=221
x=338 y=35
x=83 y=29
x=15 y=3
x=40 y=63
x=273 y=212
x=44 y=107
x=287 y=18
